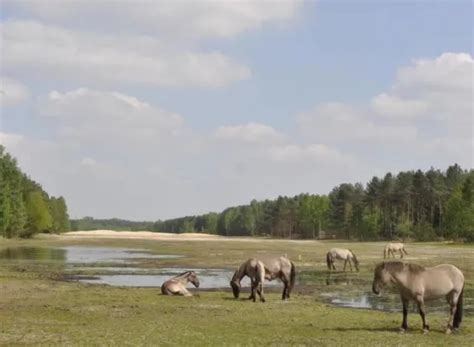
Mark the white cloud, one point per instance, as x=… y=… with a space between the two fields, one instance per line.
x=250 y=133
x=340 y=123
x=12 y=92
x=313 y=152
x=10 y=140
x=395 y=107
x=41 y=50
x=111 y=117
x=88 y=162
x=450 y=72
x=168 y=19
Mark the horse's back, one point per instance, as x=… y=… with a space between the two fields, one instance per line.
x=276 y=264
x=448 y=270
x=441 y=279
x=395 y=245
x=340 y=253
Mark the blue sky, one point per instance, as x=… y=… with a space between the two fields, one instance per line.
x=192 y=107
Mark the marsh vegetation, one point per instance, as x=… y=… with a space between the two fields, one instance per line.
x=42 y=301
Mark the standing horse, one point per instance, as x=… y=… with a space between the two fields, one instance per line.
x=177 y=284
x=267 y=269
x=342 y=254
x=391 y=248
x=419 y=284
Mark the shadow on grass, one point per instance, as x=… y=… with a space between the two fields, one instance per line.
x=375 y=329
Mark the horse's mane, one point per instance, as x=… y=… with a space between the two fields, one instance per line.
x=397 y=266
x=184 y=273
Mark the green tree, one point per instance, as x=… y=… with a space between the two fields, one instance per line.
x=39 y=218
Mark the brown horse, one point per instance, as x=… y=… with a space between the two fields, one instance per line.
x=266 y=269
x=419 y=284
x=177 y=284
x=391 y=248
x=342 y=254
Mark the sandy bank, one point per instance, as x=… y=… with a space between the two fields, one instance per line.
x=148 y=235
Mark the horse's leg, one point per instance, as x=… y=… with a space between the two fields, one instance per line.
x=185 y=292
x=345 y=263
x=285 y=294
x=404 y=326
x=350 y=264
x=401 y=253
x=253 y=287
x=451 y=298
x=260 y=291
x=393 y=254
x=421 y=309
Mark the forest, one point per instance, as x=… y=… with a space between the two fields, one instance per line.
x=432 y=205
x=25 y=208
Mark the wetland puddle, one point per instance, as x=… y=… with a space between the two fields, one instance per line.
x=123 y=267
x=114 y=266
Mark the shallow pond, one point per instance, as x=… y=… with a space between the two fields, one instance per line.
x=80 y=254
x=209 y=278
x=121 y=267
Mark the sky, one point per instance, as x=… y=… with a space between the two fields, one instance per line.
x=149 y=110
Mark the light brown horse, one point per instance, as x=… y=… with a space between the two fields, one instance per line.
x=393 y=247
x=419 y=284
x=177 y=284
x=342 y=254
x=266 y=269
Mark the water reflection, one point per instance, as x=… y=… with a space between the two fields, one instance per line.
x=209 y=278
x=89 y=255
x=33 y=253
x=80 y=254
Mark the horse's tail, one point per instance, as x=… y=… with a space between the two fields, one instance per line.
x=292 y=277
x=459 y=310
x=404 y=250
x=328 y=260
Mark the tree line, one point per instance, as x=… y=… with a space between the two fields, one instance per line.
x=25 y=208
x=413 y=204
x=90 y=223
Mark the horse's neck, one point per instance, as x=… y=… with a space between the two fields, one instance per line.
x=400 y=279
x=184 y=278
x=241 y=273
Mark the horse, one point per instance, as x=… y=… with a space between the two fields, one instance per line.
x=259 y=270
x=342 y=254
x=418 y=283
x=177 y=284
x=394 y=247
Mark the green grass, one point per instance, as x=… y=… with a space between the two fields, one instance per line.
x=36 y=308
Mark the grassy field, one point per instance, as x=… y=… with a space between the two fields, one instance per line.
x=37 y=307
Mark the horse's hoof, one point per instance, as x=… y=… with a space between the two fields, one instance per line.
x=425 y=331
x=448 y=331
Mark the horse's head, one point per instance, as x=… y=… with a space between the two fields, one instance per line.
x=192 y=277
x=356 y=264
x=355 y=260
x=235 y=284
x=381 y=278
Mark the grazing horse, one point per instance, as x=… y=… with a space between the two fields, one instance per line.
x=342 y=254
x=419 y=284
x=391 y=248
x=266 y=269
x=177 y=284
